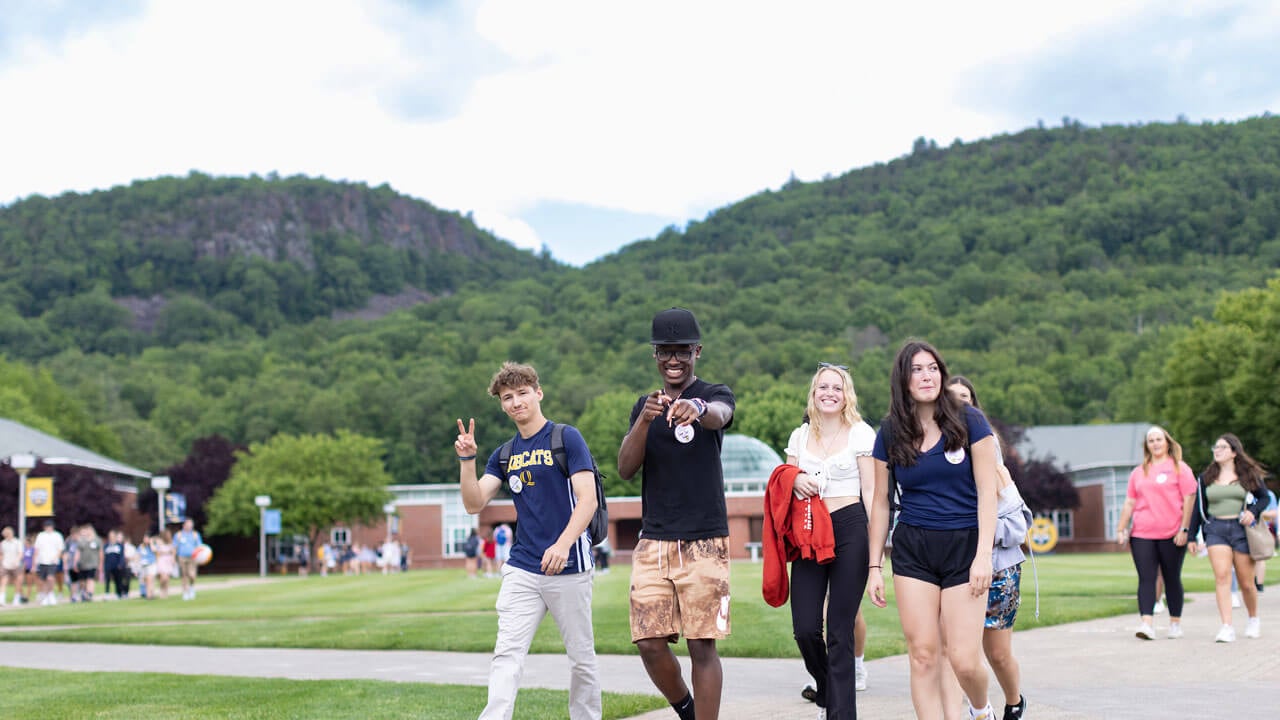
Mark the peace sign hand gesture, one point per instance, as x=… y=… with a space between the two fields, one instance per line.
x=465 y=445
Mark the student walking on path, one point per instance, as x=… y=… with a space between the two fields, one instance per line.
x=833 y=451
x=942 y=458
x=1159 y=501
x=680 y=566
x=549 y=569
x=1231 y=496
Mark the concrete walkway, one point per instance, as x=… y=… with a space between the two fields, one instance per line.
x=1094 y=669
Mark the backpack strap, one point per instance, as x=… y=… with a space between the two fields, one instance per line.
x=504 y=455
x=558 y=454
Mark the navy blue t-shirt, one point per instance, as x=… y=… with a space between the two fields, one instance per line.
x=938 y=492
x=544 y=497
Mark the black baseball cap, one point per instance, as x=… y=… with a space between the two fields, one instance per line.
x=675 y=326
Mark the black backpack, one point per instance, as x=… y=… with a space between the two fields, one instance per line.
x=598 y=528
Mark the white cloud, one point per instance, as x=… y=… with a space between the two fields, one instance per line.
x=660 y=108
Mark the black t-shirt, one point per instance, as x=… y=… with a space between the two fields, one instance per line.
x=682 y=488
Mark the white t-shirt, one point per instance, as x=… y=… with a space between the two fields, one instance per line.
x=837 y=475
x=11 y=554
x=48 y=547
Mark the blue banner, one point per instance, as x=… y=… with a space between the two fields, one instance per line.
x=175 y=508
x=271 y=522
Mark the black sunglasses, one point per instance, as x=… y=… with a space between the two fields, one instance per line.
x=824 y=365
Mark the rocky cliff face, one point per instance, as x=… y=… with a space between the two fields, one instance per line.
x=280 y=225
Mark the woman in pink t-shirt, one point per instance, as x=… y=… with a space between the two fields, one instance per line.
x=1161 y=496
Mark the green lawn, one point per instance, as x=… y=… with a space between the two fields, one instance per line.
x=433 y=610
x=445 y=610
x=157 y=696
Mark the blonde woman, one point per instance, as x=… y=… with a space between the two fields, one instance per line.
x=1159 y=501
x=1232 y=496
x=833 y=452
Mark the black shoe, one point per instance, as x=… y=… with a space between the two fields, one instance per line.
x=809 y=693
x=1014 y=712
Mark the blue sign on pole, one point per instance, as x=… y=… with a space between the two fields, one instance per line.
x=175 y=508
x=271 y=522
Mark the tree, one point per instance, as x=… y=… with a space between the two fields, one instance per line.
x=771 y=415
x=197 y=477
x=603 y=425
x=317 y=481
x=1042 y=484
x=79 y=496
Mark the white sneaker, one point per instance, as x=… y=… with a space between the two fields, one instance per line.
x=860 y=678
x=1225 y=634
x=986 y=713
x=822 y=714
x=1254 y=628
x=1146 y=632
x=1235 y=599
x=1175 y=631
x=1159 y=607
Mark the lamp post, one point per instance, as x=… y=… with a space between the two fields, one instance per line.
x=263 y=502
x=160 y=483
x=390 y=510
x=23 y=463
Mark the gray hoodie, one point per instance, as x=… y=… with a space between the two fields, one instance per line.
x=1013 y=519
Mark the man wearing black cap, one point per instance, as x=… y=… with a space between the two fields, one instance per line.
x=680 y=567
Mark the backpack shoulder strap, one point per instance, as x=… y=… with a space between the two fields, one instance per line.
x=558 y=453
x=504 y=454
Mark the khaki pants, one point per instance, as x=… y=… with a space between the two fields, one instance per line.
x=525 y=598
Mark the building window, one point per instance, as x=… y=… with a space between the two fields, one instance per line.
x=1063 y=520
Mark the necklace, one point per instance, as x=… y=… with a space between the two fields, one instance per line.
x=826 y=445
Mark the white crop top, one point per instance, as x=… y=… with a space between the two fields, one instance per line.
x=838 y=474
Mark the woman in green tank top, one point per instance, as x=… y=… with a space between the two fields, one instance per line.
x=1232 y=497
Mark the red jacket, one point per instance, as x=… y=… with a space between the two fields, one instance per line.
x=793 y=529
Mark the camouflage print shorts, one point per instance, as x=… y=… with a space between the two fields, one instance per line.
x=680 y=587
x=1003 y=598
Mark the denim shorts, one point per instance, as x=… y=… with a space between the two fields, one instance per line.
x=1226 y=531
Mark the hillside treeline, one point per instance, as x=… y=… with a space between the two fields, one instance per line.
x=1058 y=268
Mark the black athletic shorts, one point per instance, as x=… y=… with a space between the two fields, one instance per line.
x=938 y=557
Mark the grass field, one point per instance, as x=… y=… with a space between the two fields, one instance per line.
x=158 y=696
x=445 y=610
x=436 y=610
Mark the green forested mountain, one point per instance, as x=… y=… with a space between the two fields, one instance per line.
x=1055 y=267
x=199 y=258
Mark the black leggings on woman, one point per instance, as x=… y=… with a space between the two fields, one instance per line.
x=830 y=660
x=1150 y=556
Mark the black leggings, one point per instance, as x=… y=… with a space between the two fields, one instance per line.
x=830 y=661
x=1150 y=556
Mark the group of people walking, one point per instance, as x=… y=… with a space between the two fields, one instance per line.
x=1169 y=511
x=49 y=566
x=928 y=491
x=934 y=473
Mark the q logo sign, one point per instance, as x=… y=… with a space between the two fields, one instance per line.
x=39 y=496
x=1043 y=535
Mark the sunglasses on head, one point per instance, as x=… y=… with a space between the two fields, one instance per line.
x=826 y=365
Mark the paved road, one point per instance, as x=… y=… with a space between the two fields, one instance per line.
x=1094 y=669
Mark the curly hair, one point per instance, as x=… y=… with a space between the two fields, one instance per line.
x=513 y=375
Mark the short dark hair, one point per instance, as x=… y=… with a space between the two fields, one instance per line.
x=513 y=375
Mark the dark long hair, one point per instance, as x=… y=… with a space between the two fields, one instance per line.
x=1250 y=472
x=905 y=430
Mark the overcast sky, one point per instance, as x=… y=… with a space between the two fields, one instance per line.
x=585 y=125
